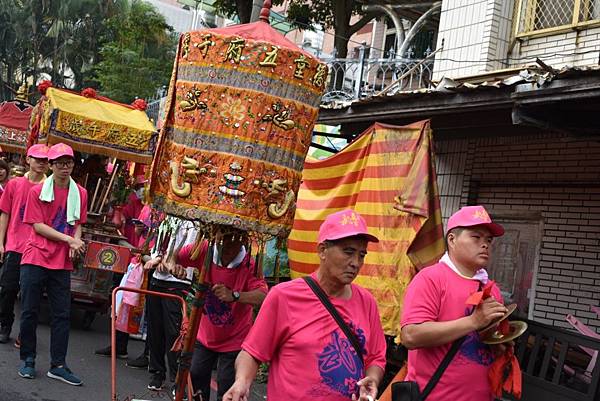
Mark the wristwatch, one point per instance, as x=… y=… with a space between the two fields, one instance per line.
x=235 y=295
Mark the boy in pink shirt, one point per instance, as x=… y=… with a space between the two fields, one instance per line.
x=56 y=209
x=435 y=313
x=310 y=357
x=14 y=233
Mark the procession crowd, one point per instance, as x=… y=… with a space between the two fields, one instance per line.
x=321 y=335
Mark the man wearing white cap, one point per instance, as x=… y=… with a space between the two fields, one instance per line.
x=436 y=312
x=56 y=209
x=311 y=355
x=14 y=234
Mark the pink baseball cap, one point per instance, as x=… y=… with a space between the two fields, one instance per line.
x=470 y=216
x=38 y=151
x=343 y=224
x=60 y=150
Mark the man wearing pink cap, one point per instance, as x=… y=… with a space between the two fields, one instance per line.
x=133 y=209
x=14 y=234
x=435 y=312
x=56 y=209
x=311 y=357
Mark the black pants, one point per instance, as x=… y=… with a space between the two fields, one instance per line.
x=58 y=287
x=201 y=370
x=9 y=288
x=164 y=324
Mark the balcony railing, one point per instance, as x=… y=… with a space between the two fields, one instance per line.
x=357 y=78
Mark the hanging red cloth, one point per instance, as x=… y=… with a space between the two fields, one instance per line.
x=505 y=374
x=477 y=297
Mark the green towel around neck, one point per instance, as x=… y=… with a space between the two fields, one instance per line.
x=73 y=198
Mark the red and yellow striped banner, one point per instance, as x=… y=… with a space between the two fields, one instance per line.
x=386 y=175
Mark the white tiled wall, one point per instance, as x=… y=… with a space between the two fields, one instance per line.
x=564 y=49
x=476 y=36
x=461 y=29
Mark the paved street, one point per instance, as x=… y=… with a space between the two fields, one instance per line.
x=92 y=369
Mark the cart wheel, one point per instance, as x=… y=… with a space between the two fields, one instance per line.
x=88 y=319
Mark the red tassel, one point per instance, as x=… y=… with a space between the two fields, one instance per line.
x=505 y=375
x=43 y=86
x=89 y=92
x=139 y=104
x=178 y=344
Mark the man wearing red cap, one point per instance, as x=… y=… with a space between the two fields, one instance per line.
x=56 y=209
x=435 y=312
x=14 y=234
x=310 y=356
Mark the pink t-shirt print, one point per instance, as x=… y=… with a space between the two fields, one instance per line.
x=224 y=325
x=13 y=202
x=41 y=251
x=438 y=294
x=310 y=357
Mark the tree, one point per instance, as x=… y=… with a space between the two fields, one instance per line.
x=334 y=14
x=303 y=14
x=138 y=57
x=240 y=8
x=75 y=28
x=56 y=37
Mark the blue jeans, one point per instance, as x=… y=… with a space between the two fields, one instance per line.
x=34 y=279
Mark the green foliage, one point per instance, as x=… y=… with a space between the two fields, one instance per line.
x=121 y=189
x=242 y=9
x=138 y=58
x=112 y=44
x=324 y=12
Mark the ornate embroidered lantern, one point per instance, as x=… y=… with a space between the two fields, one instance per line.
x=242 y=104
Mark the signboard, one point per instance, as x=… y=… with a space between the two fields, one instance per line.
x=103 y=256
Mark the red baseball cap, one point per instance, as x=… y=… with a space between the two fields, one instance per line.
x=343 y=224
x=38 y=151
x=60 y=150
x=470 y=216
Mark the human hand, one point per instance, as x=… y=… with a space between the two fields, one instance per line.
x=222 y=292
x=238 y=392
x=76 y=245
x=152 y=263
x=367 y=389
x=487 y=312
x=178 y=271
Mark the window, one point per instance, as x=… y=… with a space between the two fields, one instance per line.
x=547 y=16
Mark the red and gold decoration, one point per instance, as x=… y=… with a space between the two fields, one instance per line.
x=14 y=122
x=242 y=104
x=102 y=256
x=93 y=124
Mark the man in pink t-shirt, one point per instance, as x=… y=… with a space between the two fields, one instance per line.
x=234 y=289
x=310 y=357
x=435 y=312
x=14 y=233
x=56 y=209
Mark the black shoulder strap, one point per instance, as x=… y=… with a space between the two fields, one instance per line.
x=336 y=316
x=437 y=375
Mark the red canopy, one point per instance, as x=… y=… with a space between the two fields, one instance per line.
x=14 y=123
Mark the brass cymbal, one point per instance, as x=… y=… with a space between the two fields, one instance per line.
x=483 y=333
x=517 y=328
